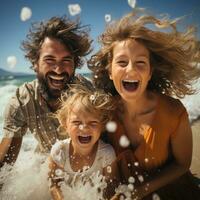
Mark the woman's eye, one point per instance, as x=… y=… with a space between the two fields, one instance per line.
x=140 y=62
x=122 y=63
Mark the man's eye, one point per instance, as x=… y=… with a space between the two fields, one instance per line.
x=49 y=61
x=68 y=60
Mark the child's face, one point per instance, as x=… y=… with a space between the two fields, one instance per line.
x=130 y=69
x=84 y=128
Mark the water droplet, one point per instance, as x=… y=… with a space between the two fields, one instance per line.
x=155 y=197
x=74 y=9
x=107 y=17
x=109 y=169
x=111 y=126
x=136 y=164
x=25 y=14
x=59 y=172
x=131 y=179
x=131 y=187
x=92 y=97
x=81 y=126
x=124 y=141
x=140 y=178
x=132 y=3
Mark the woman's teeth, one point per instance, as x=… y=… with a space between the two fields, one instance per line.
x=130 y=85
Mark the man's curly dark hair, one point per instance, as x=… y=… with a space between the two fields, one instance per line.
x=70 y=33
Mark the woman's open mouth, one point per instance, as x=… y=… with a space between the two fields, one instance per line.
x=84 y=139
x=130 y=85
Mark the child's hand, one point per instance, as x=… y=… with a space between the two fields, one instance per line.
x=56 y=193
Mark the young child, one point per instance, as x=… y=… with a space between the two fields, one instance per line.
x=83 y=114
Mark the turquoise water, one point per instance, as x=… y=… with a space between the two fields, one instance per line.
x=16 y=81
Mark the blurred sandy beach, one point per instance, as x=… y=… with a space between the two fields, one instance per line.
x=195 y=167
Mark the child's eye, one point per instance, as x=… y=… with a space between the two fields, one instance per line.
x=76 y=123
x=94 y=123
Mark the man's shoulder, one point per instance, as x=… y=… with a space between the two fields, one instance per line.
x=25 y=92
x=27 y=87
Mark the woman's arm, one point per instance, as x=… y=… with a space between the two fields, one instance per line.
x=181 y=143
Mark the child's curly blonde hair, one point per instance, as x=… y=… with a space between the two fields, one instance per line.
x=92 y=100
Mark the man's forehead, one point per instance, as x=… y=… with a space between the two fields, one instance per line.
x=54 y=46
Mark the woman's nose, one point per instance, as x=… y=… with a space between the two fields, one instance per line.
x=130 y=66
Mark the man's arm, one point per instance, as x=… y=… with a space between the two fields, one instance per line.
x=9 y=150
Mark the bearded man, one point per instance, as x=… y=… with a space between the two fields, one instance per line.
x=55 y=48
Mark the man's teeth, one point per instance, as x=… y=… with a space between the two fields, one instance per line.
x=58 y=78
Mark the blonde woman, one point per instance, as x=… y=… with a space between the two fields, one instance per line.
x=147 y=64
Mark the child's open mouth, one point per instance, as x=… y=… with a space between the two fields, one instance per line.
x=130 y=85
x=84 y=139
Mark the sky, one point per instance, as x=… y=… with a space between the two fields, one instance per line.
x=14 y=27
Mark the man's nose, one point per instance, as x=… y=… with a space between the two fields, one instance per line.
x=58 y=68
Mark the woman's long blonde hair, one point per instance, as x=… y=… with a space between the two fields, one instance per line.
x=174 y=55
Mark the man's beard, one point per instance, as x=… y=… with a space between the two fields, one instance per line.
x=48 y=93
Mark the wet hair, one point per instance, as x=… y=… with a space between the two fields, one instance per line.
x=70 y=33
x=93 y=101
x=174 y=55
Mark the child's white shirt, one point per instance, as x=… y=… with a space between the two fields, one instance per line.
x=105 y=155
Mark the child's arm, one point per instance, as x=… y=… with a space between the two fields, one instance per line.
x=54 y=181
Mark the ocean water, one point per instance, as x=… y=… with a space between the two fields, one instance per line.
x=29 y=166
